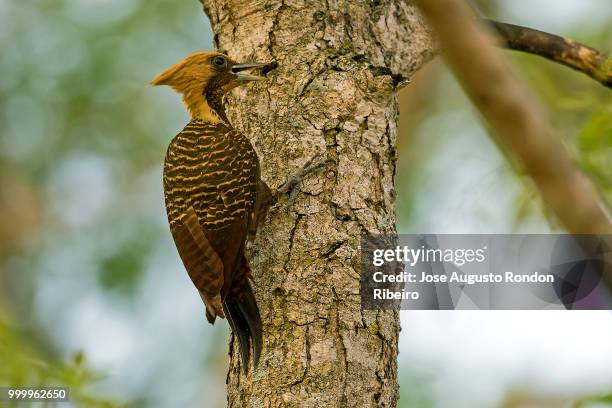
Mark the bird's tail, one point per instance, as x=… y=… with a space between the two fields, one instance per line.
x=243 y=316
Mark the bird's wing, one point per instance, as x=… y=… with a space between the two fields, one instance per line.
x=210 y=183
x=203 y=264
x=232 y=171
x=213 y=169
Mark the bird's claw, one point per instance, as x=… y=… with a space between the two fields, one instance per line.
x=289 y=187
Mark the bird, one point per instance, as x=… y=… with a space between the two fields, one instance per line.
x=214 y=195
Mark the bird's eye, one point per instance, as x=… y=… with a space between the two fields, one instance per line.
x=219 y=61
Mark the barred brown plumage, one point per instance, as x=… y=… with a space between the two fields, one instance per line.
x=214 y=194
x=213 y=169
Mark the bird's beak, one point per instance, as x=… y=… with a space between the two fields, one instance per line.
x=242 y=77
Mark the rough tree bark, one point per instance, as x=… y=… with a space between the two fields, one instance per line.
x=331 y=99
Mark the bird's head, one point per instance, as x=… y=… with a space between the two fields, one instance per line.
x=203 y=78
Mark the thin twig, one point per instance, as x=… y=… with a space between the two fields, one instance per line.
x=568 y=52
x=518 y=122
x=516 y=118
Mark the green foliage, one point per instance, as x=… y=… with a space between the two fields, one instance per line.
x=595 y=147
x=25 y=366
x=580 y=110
x=416 y=390
x=122 y=268
x=87 y=135
x=599 y=402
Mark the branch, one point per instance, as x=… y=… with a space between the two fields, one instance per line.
x=515 y=117
x=570 y=53
x=518 y=123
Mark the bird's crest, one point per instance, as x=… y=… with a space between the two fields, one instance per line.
x=189 y=77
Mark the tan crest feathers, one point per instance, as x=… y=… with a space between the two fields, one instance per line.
x=166 y=77
x=190 y=66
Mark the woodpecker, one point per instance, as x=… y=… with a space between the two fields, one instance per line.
x=215 y=198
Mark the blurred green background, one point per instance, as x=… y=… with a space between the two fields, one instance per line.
x=92 y=292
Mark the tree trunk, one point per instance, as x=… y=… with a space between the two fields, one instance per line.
x=331 y=99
